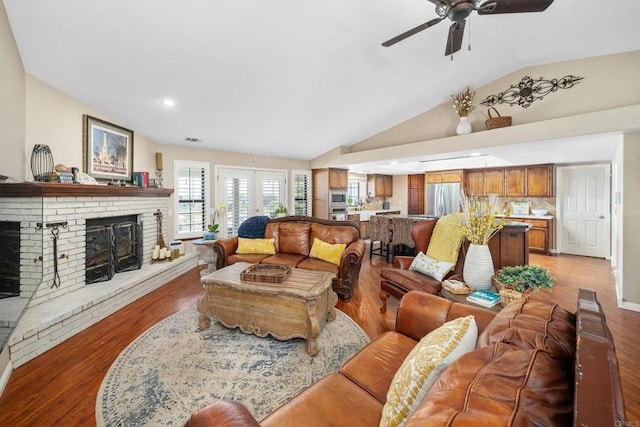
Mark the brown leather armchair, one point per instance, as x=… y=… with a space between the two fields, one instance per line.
x=399 y=280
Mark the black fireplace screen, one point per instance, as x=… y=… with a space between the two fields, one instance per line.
x=113 y=245
x=9 y=259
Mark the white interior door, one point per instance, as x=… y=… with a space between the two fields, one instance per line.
x=584 y=214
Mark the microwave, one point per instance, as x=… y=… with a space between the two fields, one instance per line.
x=338 y=197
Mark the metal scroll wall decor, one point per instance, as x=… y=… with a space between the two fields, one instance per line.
x=529 y=90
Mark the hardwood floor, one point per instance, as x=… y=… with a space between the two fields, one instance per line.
x=59 y=387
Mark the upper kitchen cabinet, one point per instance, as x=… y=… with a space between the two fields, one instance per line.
x=482 y=182
x=521 y=181
x=540 y=181
x=380 y=185
x=515 y=182
x=338 y=179
x=444 y=176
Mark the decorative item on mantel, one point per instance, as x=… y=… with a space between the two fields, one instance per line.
x=41 y=163
x=463 y=104
x=159 y=170
x=479 y=224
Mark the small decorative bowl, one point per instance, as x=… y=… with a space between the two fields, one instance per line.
x=539 y=212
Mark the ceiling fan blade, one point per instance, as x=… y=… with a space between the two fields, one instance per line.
x=494 y=7
x=411 y=32
x=454 y=41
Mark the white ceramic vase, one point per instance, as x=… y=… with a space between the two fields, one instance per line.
x=464 y=126
x=478 y=267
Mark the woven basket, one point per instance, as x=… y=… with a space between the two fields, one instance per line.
x=465 y=290
x=507 y=296
x=497 y=122
x=266 y=273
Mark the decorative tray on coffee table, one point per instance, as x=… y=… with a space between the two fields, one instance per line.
x=266 y=273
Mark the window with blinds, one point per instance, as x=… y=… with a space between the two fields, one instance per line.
x=192 y=198
x=301 y=191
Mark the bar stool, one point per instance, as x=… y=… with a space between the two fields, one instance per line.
x=380 y=232
x=401 y=240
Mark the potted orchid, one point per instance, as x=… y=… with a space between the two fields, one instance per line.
x=212 y=229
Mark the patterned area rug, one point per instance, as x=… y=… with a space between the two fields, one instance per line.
x=175 y=368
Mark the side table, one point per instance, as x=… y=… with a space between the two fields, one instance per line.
x=463 y=300
x=209 y=257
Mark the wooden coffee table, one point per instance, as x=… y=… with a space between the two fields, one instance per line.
x=295 y=308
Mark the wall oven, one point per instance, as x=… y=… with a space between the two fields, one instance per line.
x=337 y=197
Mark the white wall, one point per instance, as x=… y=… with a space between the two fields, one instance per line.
x=12 y=115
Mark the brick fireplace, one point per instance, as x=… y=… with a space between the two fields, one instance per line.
x=57 y=312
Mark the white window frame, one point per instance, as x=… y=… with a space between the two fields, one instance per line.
x=206 y=167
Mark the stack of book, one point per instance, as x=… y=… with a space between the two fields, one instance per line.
x=484 y=298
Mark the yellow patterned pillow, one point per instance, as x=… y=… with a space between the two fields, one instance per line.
x=424 y=364
x=446 y=238
x=327 y=251
x=256 y=246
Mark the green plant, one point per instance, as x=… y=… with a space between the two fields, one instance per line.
x=213 y=228
x=281 y=209
x=525 y=277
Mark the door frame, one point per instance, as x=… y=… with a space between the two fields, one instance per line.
x=560 y=195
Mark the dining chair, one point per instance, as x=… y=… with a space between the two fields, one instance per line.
x=401 y=240
x=380 y=233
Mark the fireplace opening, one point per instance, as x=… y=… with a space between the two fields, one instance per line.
x=113 y=245
x=9 y=259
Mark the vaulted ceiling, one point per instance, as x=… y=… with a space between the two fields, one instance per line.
x=284 y=77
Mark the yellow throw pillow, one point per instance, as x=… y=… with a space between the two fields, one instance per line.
x=424 y=364
x=326 y=251
x=446 y=238
x=256 y=246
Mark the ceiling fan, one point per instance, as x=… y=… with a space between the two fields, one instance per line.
x=458 y=10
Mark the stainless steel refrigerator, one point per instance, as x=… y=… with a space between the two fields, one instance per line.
x=443 y=199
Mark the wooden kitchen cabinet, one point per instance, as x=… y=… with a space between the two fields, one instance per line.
x=494 y=182
x=523 y=181
x=444 y=176
x=474 y=183
x=380 y=185
x=364 y=229
x=540 y=181
x=416 y=185
x=540 y=234
x=515 y=182
x=483 y=182
x=338 y=179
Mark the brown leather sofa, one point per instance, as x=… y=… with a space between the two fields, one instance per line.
x=534 y=364
x=293 y=241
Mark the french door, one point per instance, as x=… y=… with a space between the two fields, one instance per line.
x=248 y=192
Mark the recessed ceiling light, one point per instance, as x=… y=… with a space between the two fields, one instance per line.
x=475 y=154
x=168 y=102
x=393 y=163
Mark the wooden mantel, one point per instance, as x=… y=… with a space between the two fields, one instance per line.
x=48 y=189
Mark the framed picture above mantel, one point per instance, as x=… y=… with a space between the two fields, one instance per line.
x=107 y=150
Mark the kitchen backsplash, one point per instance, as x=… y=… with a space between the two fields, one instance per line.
x=546 y=203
